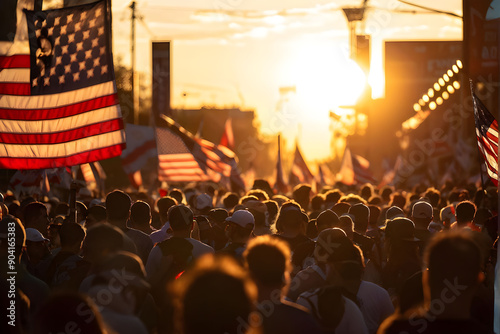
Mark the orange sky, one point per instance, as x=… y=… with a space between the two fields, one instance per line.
x=223 y=60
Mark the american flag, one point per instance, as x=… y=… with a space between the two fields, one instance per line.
x=354 y=169
x=487 y=138
x=300 y=173
x=58 y=101
x=184 y=158
x=227 y=139
x=279 y=185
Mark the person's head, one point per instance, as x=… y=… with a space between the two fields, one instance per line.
x=10 y=224
x=259 y=212
x=69 y=311
x=81 y=212
x=36 y=245
x=317 y=202
x=218 y=216
x=101 y=241
x=434 y=196
x=374 y=215
x=95 y=215
x=215 y=296
x=127 y=294
x=230 y=200
x=465 y=212
x=397 y=199
x=203 y=204
x=301 y=194
x=272 y=210
x=453 y=259
x=361 y=215
x=326 y=244
x=341 y=208
x=268 y=262
x=422 y=214
x=240 y=226
x=332 y=197
x=36 y=216
x=178 y=195
x=366 y=191
x=347 y=262
x=400 y=237
x=346 y=224
x=163 y=205
x=327 y=219
x=140 y=214
x=259 y=193
x=385 y=193
x=72 y=236
x=180 y=218
x=290 y=218
x=117 y=206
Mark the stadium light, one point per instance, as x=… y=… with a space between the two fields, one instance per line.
x=417 y=107
x=425 y=98
x=437 y=87
x=456 y=84
x=450 y=89
x=439 y=101
x=430 y=92
x=432 y=105
x=459 y=64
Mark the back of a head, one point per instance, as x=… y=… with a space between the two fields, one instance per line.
x=215 y=297
x=177 y=194
x=341 y=208
x=465 y=212
x=259 y=193
x=452 y=258
x=327 y=219
x=317 y=202
x=301 y=195
x=218 y=215
x=164 y=204
x=434 y=196
x=333 y=196
x=117 y=206
x=102 y=239
x=366 y=191
x=398 y=200
x=268 y=259
x=98 y=212
x=71 y=234
x=140 y=213
x=124 y=261
x=290 y=215
x=180 y=217
x=32 y=212
x=272 y=208
x=361 y=215
x=328 y=239
x=230 y=200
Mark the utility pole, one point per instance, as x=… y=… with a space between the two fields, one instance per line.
x=132 y=63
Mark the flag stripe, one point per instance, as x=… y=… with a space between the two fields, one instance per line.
x=15 y=61
x=15 y=88
x=58 y=100
x=15 y=75
x=62 y=124
x=70 y=160
x=132 y=156
x=59 y=112
x=62 y=149
x=62 y=136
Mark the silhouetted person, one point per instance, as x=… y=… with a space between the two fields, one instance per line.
x=140 y=217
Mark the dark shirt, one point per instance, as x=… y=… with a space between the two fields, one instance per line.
x=234 y=249
x=142 y=242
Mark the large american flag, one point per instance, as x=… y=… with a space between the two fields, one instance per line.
x=300 y=173
x=487 y=137
x=58 y=101
x=185 y=158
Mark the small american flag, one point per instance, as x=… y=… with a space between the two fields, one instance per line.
x=487 y=138
x=58 y=101
x=184 y=158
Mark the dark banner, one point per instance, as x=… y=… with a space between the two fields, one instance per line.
x=161 y=79
x=481 y=47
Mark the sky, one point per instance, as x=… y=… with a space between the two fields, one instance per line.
x=240 y=52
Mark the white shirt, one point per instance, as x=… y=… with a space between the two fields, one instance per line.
x=375 y=305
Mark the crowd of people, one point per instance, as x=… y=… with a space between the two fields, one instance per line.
x=202 y=260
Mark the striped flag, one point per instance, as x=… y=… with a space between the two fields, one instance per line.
x=184 y=158
x=299 y=173
x=141 y=146
x=487 y=138
x=354 y=169
x=58 y=101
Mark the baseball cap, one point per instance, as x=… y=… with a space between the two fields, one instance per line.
x=256 y=205
x=33 y=235
x=422 y=209
x=242 y=218
x=203 y=201
x=401 y=229
x=448 y=214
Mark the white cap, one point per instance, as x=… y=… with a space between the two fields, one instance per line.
x=242 y=218
x=34 y=235
x=204 y=201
